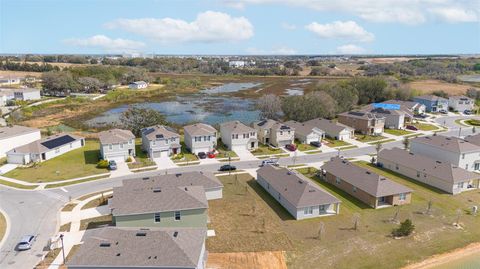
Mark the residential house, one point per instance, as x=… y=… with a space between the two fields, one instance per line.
x=460 y=103
x=117 y=144
x=409 y=107
x=433 y=172
x=7 y=81
x=432 y=103
x=27 y=94
x=306 y=133
x=160 y=141
x=113 y=247
x=300 y=197
x=371 y=188
x=271 y=132
x=236 y=136
x=394 y=119
x=200 y=137
x=5 y=96
x=332 y=129
x=448 y=149
x=45 y=148
x=138 y=85
x=16 y=136
x=363 y=122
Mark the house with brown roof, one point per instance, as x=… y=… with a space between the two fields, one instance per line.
x=117 y=144
x=306 y=133
x=431 y=171
x=332 y=129
x=113 y=247
x=160 y=141
x=296 y=193
x=366 y=123
x=272 y=132
x=371 y=188
x=200 y=137
x=394 y=119
x=238 y=136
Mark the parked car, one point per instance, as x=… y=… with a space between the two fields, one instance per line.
x=202 y=155
x=316 y=144
x=291 y=147
x=467 y=112
x=26 y=242
x=269 y=162
x=112 y=165
x=211 y=154
x=227 y=167
x=443 y=111
x=422 y=116
x=411 y=127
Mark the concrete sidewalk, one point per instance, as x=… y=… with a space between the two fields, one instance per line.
x=245 y=155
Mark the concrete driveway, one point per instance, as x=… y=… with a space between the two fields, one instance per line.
x=164 y=163
x=245 y=155
x=122 y=169
x=7 y=168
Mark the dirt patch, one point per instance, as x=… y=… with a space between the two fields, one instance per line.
x=237 y=260
x=430 y=85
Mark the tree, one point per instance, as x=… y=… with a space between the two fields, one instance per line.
x=406 y=143
x=136 y=118
x=405 y=229
x=90 y=84
x=270 y=106
x=59 y=82
x=378 y=148
x=309 y=106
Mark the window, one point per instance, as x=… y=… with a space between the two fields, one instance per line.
x=178 y=215
x=460 y=185
x=402 y=196
x=57 y=150
x=281 y=132
x=463 y=156
x=130 y=142
x=337 y=180
x=156 y=217
x=110 y=147
x=244 y=136
x=208 y=138
x=354 y=189
x=322 y=208
x=466 y=166
x=418 y=174
x=204 y=138
x=308 y=210
x=121 y=146
x=233 y=136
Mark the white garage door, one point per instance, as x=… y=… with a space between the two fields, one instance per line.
x=239 y=147
x=158 y=154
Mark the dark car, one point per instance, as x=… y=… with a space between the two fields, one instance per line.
x=202 y=155
x=411 y=127
x=227 y=167
x=112 y=165
x=316 y=144
x=467 y=112
x=291 y=147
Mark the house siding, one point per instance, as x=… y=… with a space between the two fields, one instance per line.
x=116 y=151
x=241 y=141
x=194 y=218
x=10 y=143
x=206 y=143
x=363 y=126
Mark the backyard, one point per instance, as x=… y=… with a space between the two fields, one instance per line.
x=76 y=163
x=248 y=219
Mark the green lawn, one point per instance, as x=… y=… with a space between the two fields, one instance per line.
x=425 y=126
x=305 y=147
x=266 y=150
x=223 y=151
x=184 y=156
x=473 y=122
x=3 y=226
x=141 y=158
x=381 y=142
x=333 y=143
x=369 y=138
x=18 y=186
x=397 y=132
x=76 y=163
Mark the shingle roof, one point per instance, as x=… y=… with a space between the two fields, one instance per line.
x=295 y=188
x=236 y=127
x=431 y=97
x=134 y=200
x=473 y=139
x=199 y=129
x=360 y=115
x=453 y=144
x=363 y=179
x=265 y=124
x=47 y=143
x=126 y=247
x=114 y=136
x=205 y=179
x=328 y=126
x=158 y=131
x=302 y=128
x=15 y=130
x=460 y=97
x=381 y=111
x=441 y=170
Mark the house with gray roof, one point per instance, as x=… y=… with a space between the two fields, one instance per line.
x=117 y=144
x=306 y=133
x=296 y=193
x=45 y=148
x=432 y=103
x=366 y=123
x=454 y=150
x=16 y=136
x=370 y=188
x=160 y=141
x=114 y=247
x=200 y=137
x=431 y=171
x=461 y=103
x=394 y=119
x=238 y=136
x=332 y=129
x=272 y=132
x=410 y=108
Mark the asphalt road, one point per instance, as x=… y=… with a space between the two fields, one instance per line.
x=37 y=212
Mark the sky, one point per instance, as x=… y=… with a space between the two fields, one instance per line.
x=246 y=27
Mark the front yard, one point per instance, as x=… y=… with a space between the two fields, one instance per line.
x=369 y=138
x=76 y=163
x=333 y=143
x=305 y=147
x=397 y=132
x=184 y=156
x=266 y=150
x=141 y=158
x=223 y=151
x=425 y=126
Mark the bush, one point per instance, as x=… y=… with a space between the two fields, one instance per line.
x=405 y=229
x=102 y=164
x=129 y=159
x=473 y=122
x=178 y=156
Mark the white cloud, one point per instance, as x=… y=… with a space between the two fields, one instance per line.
x=348 y=30
x=208 y=27
x=455 y=14
x=350 y=49
x=288 y=26
x=107 y=44
x=402 y=11
x=275 y=51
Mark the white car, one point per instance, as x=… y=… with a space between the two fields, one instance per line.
x=26 y=242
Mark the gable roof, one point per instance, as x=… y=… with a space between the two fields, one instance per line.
x=453 y=144
x=273 y=125
x=205 y=179
x=382 y=112
x=15 y=130
x=441 y=170
x=199 y=129
x=364 y=179
x=134 y=200
x=114 y=136
x=460 y=97
x=302 y=128
x=158 y=132
x=360 y=115
x=430 y=97
x=295 y=188
x=328 y=126
x=47 y=144
x=128 y=247
x=236 y=127
x=473 y=139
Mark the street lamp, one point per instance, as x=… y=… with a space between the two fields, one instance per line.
x=63 y=249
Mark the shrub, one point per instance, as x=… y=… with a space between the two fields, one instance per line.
x=102 y=164
x=129 y=159
x=405 y=229
x=473 y=122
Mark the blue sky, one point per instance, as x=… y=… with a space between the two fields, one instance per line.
x=240 y=26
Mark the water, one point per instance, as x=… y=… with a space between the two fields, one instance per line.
x=469 y=78
x=231 y=88
x=468 y=262
x=294 y=91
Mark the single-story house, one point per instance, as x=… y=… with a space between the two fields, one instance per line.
x=272 y=132
x=306 y=133
x=138 y=85
x=332 y=129
x=160 y=141
x=460 y=103
x=371 y=188
x=45 y=148
x=432 y=103
x=117 y=144
x=301 y=198
x=200 y=137
x=5 y=96
x=236 y=135
x=113 y=247
x=366 y=123
x=439 y=174
x=27 y=94
x=16 y=136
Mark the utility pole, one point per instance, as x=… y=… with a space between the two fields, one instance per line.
x=63 y=249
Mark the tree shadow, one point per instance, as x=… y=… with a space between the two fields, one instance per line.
x=281 y=212
x=91 y=156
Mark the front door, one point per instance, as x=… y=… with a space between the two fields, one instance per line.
x=252 y=145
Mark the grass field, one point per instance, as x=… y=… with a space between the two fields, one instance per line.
x=248 y=219
x=425 y=126
x=430 y=85
x=141 y=158
x=18 y=186
x=369 y=138
x=266 y=150
x=397 y=132
x=76 y=163
x=333 y=143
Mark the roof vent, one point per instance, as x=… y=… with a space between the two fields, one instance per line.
x=157 y=190
x=186 y=189
x=438 y=162
x=141 y=234
x=311 y=190
x=104 y=245
x=145 y=178
x=383 y=178
x=300 y=181
x=175 y=234
x=118 y=254
x=178 y=175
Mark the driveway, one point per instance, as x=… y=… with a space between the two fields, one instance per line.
x=7 y=168
x=245 y=155
x=164 y=162
x=122 y=169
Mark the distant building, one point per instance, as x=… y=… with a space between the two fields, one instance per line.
x=27 y=94
x=16 y=136
x=363 y=122
x=138 y=85
x=6 y=81
x=236 y=64
x=117 y=144
x=460 y=103
x=432 y=103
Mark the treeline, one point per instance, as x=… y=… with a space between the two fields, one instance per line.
x=72 y=59
x=329 y=99
x=27 y=67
